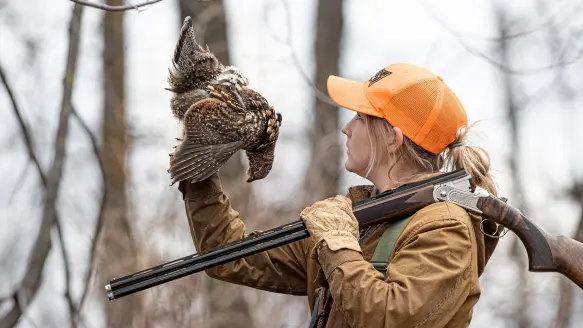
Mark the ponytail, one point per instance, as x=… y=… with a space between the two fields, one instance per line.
x=474 y=160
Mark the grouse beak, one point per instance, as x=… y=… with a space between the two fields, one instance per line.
x=279 y=118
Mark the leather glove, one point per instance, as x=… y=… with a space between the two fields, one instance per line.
x=333 y=222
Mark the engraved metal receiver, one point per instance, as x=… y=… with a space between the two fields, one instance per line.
x=459 y=192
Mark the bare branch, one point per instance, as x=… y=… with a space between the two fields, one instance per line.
x=19 y=180
x=72 y=312
x=294 y=57
x=567 y=92
x=5 y=298
x=17 y=309
x=23 y=127
x=513 y=111
x=545 y=22
x=32 y=277
x=75 y=310
x=501 y=65
x=322 y=181
x=30 y=148
x=115 y=8
x=99 y=224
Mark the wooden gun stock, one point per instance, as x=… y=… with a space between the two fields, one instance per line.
x=546 y=253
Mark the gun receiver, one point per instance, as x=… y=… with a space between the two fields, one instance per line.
x=545 y=252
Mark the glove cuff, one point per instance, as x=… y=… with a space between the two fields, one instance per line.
x=337 y=240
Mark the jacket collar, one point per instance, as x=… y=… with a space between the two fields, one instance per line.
x=361 y=192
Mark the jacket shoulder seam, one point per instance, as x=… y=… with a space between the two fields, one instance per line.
x=460 y=277
x=416 y=226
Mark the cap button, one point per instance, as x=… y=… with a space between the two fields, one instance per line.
x=440 y=78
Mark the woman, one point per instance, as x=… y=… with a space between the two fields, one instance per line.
x=409 y=125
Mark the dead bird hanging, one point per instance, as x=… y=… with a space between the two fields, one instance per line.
x=219 y=113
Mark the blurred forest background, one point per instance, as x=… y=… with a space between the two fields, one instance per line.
x=86 y=131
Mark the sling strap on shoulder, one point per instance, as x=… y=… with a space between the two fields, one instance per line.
x=380 y=261
x=382 y=253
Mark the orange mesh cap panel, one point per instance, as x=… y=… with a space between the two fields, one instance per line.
x=408 y=97
x=450 y=118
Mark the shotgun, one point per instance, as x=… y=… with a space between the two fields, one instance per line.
x=546 y=253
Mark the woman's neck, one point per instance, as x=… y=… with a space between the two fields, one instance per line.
x=385 y=179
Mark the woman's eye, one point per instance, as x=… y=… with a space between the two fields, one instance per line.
x=358 y=116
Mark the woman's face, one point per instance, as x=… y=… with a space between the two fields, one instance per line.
x=358 y=148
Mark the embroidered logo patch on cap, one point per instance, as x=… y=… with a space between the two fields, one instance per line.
x=379 y=75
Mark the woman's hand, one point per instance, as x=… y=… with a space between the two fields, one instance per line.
x=333 y=222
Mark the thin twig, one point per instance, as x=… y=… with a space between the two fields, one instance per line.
x=72 y=312
x=115 y=8
x=513 y=112
x=23 y=127
x=556 y=82
x=501 y=65
x=294 y=57
x=17 y=308
x=21 y=177
x=99 y=224
x=542 y=24
x=42 y=245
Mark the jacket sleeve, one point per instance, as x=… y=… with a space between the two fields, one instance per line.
x=428 y=279
x=213 y=223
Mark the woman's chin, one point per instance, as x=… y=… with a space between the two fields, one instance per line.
x=350 y=168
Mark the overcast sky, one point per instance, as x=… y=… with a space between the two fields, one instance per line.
x=376 y=33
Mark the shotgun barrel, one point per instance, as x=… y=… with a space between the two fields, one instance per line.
x=386 y=206
x=545 y=252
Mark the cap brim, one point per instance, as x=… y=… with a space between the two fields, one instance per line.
x=350 y=95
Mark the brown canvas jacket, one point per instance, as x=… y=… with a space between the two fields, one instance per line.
x=432 y=279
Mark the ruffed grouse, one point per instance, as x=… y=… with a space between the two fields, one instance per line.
x=220 y=115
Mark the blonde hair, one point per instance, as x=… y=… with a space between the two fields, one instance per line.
x=474 y=160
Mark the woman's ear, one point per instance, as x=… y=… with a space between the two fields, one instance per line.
x=398 y=139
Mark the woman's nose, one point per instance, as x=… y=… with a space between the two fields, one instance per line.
x=346 y=130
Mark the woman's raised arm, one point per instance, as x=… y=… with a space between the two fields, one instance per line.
x=213 y=222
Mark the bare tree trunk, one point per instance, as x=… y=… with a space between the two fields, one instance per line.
x=119 y=249
x=32 y=279
x=517 y=252
x=564 y=311
x=323 y=176
x=567 y=97
x=210 y=24
x=226 y=305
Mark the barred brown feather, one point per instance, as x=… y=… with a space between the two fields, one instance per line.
x=220 y=115
x=192 y=66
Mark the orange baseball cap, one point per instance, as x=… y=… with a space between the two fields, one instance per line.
x=409 y=97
